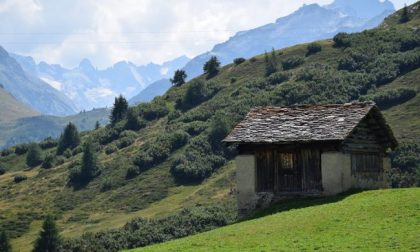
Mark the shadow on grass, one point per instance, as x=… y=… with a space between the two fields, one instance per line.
x=297 y=203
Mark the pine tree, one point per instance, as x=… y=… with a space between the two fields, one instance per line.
x=119 y=110
x=89 y=167
x=211 y=67
x=34 y=155
x=179 y=78
x=4 y=242
x=271 y=63
x=69 y=139
x=49 y=239
x=97 y=125
x=404 y=15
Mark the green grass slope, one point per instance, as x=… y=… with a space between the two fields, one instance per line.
x=380 y=220
x=231 y=93
x=11 y=109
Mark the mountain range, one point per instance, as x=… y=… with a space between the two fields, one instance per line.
x=308 y=23
x=32 y=91
x=89 y=87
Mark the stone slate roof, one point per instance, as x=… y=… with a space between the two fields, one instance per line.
x=303 y=123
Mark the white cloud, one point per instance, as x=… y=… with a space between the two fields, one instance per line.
x=140 y=31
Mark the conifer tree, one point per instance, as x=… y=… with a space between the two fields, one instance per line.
x=271 y=63
x=69 y=139
x=89 y=168
x=211 y=67
x=404 y=15
x=34 y=155
x=4 y=242
x=179 y=78
x=97 y=125
x=49 y=239
x=119 y=109
x=134 y=122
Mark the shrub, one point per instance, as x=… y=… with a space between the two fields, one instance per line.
x=142 y=232
x=238 y=61
x=196 y=127
x=48 y=143
x=173 y=115
x=159 y=149
x=48 y=162
x=253 y=59
x=6 y=152
x=153 y=110
x=390 y=98
x=106 y=185
x=313 y=48
x=292 y=62
x=232 y=80
x=342 y=39
x=67 y=153
x=196 y=93
x=19 y=178
x=277 y=78
x=77 y=150
x=124 y=142
x=134 y=122
x=34 y=155
x=132 y=172
x=110 y=149
x=21 y=149
x=2 y=170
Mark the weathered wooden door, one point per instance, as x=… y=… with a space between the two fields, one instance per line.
x=288 y=175
x=310 y=164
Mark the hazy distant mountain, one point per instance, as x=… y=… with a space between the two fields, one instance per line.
x=309 y=23
x=12 y=109
x=30 y=90
x=89 y=87
x=156 y=88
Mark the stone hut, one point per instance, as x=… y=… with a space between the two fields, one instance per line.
x=309 y=150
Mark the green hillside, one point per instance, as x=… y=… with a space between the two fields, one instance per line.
x=172 y=158
x=34 y=128
x=11 y=109
x=380 y=220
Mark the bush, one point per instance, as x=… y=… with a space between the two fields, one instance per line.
x=48 y=143
x=390 y=98
x=110 y=149
x=89 y=169
x=405 y=162
x=292 y=62
x=134 y=122
x=2 y=170
x=124 y=142
x=19 y=178
x=313 y=48
x=6 y=152
x=277 y=78
x=141 y=232
x=196 y=127
x=153 y=110
x=158 y=150
x=342 y=39
x=67 y=153
x=77 y=150
x=132 y=172
x=21 y=149
x=106 y=185
x=238 y=61
x=196 y=93
x=34 y=155
x=48 y=162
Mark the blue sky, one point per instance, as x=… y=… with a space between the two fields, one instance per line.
x=141 y=31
